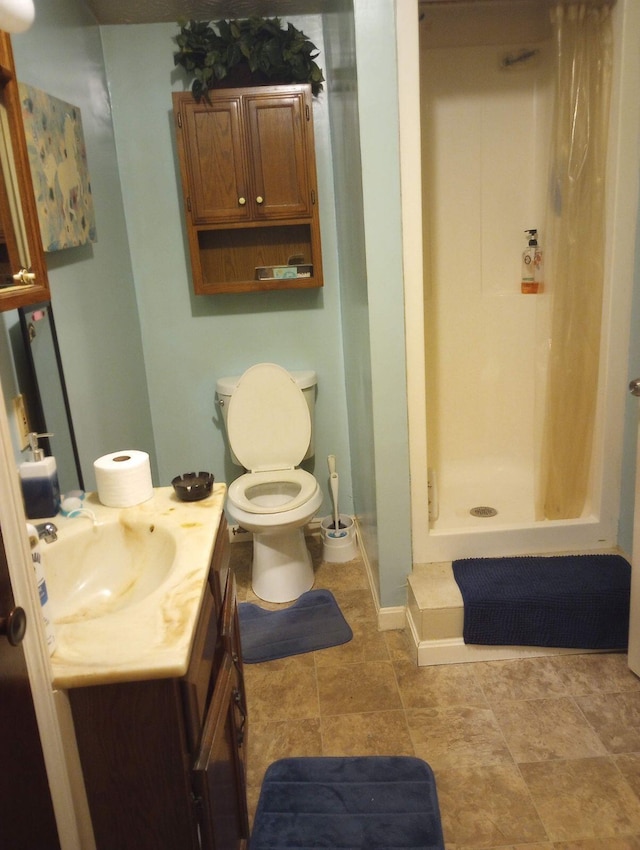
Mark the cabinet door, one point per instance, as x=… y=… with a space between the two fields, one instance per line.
x=230 y=635
x=131 y=740
x=247 y=166
x=220 y=563
x=197 y=684
x=213 y=158
x=278 y=153
x=218 y=779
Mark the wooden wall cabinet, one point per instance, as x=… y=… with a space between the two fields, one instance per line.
x=164 y=760
x=247 y=164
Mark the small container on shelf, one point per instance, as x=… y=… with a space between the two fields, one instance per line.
x=283 y=272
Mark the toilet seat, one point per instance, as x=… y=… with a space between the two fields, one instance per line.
x=269 y=429
x=272 y=492
x=268 y=421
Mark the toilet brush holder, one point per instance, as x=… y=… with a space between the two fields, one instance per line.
x=341 y=546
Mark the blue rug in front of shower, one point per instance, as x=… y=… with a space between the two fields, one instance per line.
x=314 y=621
x=567 y=601
x=355 y=803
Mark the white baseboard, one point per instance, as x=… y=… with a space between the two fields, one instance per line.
x=456 y=651
x=392 y=618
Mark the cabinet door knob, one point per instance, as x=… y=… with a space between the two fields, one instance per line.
x=259 y=199
x=242 y=201
x=14 y=626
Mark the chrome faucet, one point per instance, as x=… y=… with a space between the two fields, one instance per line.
x=47 y=531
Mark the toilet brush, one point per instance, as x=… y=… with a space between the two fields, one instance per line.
x=333 y=482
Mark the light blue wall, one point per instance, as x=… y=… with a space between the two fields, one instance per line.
x=361 y=404
x=141 y=353
x=375 y=43
x=190 y=341
x=341 y=59
x=92 y=287
x=326 y=330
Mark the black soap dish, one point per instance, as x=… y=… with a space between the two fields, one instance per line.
x=193 y=486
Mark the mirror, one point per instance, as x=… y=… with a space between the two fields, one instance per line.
x=48 y=402
x=23 y=273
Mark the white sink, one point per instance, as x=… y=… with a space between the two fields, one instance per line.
x=126 y=585
x=106 y=568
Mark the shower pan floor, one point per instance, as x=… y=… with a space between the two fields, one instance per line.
x=435 y=615
x=502 y=487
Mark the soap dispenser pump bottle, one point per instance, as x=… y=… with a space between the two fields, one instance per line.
x=531 y=282
x=39 y=479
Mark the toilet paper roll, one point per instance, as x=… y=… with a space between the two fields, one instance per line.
x=123 y=478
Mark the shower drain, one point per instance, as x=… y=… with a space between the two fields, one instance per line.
x=483 y=511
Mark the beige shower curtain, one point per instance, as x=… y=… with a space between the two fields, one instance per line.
x=575 y=255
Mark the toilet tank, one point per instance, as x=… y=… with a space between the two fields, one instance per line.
x=306 y=379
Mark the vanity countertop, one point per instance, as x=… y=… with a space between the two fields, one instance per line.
x=152 y=638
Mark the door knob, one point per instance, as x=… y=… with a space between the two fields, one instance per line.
x=634 y=387
x=24 y=277
x=259 y=199
x=242 y=201
x=14 y=626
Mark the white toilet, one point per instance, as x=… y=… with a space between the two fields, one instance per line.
x=268 y=416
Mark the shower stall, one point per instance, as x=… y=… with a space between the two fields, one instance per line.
x=481 y=74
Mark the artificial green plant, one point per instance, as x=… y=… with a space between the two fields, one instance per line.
x=210 y=51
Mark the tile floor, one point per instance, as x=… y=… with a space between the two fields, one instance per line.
x=535 y=754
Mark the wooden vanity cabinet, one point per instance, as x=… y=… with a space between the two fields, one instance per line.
x=247 y=164
x=164 y=760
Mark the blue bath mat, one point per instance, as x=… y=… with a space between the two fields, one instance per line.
x=314 y=621
x=366 y=803
x=569 y=601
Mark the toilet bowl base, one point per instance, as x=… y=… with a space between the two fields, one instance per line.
x=282 y=569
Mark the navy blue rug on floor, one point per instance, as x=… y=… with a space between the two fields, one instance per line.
x=366 y=803
x=314 y=621
x=569 y=601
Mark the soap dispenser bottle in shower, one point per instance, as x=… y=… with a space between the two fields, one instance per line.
x=39 y=479
x=531 y=279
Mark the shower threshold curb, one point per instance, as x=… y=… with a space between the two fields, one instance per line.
x=431 y=653
x=441 y=618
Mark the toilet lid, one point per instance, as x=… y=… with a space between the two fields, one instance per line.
x=268 y=420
